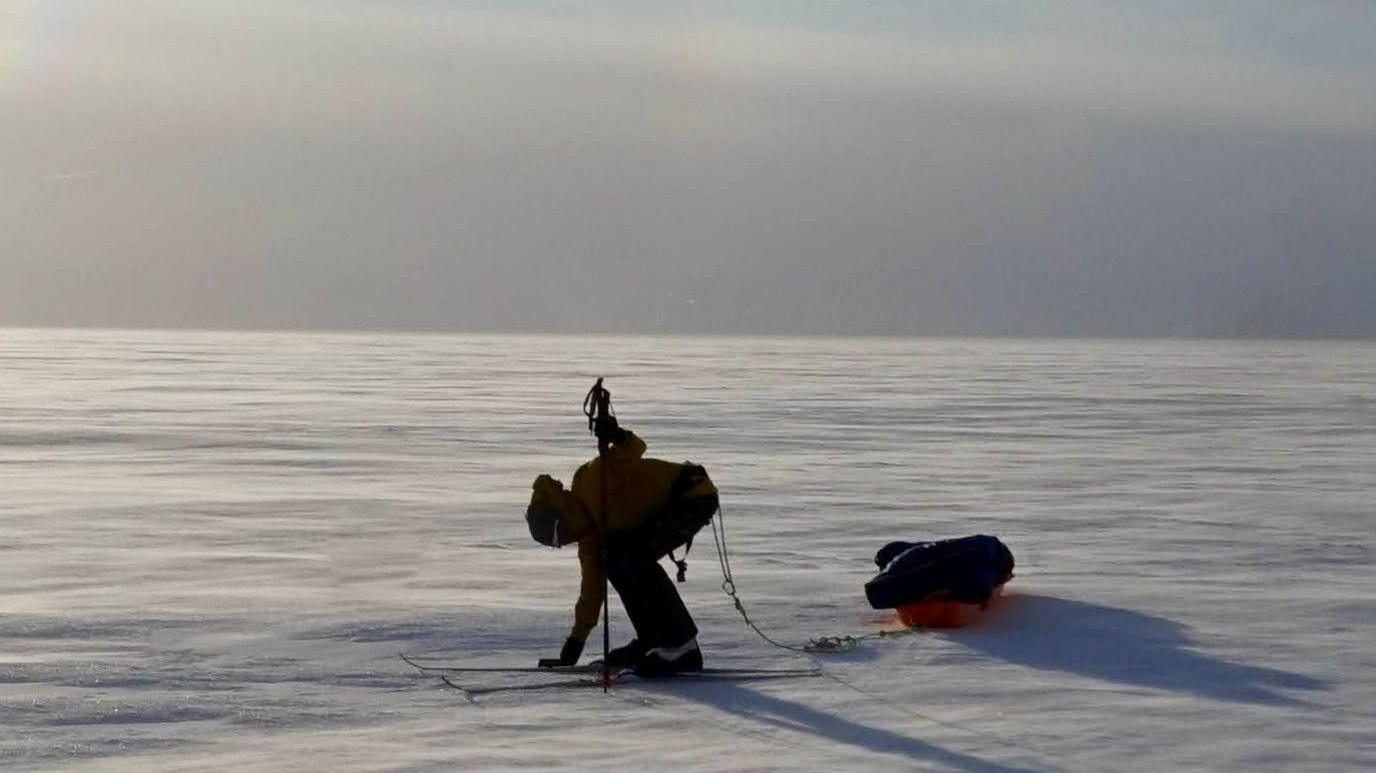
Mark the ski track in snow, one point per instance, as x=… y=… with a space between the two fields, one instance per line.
x=217 y=543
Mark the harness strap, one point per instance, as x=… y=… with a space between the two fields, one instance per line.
x=688 y=477
x=682 y=564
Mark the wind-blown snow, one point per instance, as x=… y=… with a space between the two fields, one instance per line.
x=216 y=544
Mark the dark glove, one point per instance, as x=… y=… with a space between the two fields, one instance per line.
x=607 y=429
x=568 y=656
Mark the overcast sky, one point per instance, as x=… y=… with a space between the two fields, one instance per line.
x=1057 y=167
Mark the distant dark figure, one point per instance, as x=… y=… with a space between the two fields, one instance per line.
x=652 y=508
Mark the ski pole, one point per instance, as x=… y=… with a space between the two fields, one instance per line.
x=597 y=406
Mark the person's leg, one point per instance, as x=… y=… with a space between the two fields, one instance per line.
x=672 y=623
x=652 y=602
x=622 y=572
x=675 y=646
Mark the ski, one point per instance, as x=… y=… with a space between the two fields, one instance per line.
x=589 y=668
x=472 y=692
x=626 y=678
x=586 y=668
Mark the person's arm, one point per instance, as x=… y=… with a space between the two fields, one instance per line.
x=592 y=591
x=628 y=446
x=591 y=596
x=623 y=442
x=573 y=524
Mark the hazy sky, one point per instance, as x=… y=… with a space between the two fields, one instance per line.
x=1026 y=167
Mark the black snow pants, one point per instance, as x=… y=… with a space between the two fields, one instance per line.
x=652 y=602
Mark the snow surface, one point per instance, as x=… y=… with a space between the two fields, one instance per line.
x=216 y=544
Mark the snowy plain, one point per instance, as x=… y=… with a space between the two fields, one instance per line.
x=214 y=545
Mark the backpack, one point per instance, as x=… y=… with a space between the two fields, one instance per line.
x=690 y=506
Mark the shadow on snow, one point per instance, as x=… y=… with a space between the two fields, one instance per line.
x=776 y=712
x=1120 y=645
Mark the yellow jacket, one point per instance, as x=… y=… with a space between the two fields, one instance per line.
x=636 y=487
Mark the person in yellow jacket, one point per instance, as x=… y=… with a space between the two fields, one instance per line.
x=652 y=508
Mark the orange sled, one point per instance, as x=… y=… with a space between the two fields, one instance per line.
x=938 y=611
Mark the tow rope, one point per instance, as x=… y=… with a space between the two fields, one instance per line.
x=821 y=645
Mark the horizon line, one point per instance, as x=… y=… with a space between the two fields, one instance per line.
x=494 y=332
